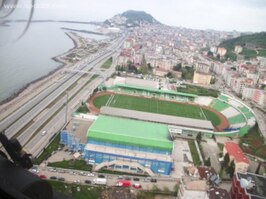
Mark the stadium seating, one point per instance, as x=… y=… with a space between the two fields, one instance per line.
x=237 y=119
x=224 y=98
x=230 y=112
x=219 y=105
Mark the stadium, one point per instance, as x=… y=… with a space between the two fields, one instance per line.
x=136 y=125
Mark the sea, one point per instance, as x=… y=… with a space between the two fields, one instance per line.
x=29 y=58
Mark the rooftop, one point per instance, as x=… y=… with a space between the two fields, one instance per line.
x=196 y=185
x=137 y=82
x=234 y=150
x=188 y=194
x=130 y=132
x=78 y=127
x=158 y=118
x=218 y=193
x=128 y=153
x=156 y=90
x=258 y=183
x=205 y=172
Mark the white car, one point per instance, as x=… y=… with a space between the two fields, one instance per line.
x=91 y=174
x=34 y=170
x=43 y=133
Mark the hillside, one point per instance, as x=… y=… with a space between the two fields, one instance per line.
x=135 y=17
x=253 y=45
x=131 y=18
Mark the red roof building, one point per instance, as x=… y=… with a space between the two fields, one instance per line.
x=236 y=155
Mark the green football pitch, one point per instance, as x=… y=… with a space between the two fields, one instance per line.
x=154 y=105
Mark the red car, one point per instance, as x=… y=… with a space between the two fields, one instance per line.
x=122 y=183
x=42 y=176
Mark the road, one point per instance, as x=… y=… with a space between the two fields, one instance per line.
x=261 y=120
x=36 y=145
x=37 y=110
x=212 y=150
x=68 y=175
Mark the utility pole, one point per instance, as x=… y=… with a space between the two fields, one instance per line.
x=66 y=107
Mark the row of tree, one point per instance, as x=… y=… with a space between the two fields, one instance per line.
x=227 y=166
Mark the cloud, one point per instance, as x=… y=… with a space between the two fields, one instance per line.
x=242 y=15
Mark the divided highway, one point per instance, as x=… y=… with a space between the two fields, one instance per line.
x=38 y=110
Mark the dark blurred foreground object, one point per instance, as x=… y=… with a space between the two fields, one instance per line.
x=15 y=180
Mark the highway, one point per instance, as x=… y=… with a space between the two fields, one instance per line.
x=39 y=109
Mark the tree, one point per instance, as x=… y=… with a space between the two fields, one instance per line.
x=177 y=67
x=144 y=66
x=131 y=67
x=166 y=189
x=210 y=54
x=226 y=160
x=149 y=66
x=176 y=188
x=213 y=80
x=199 y=136
x=231 y=169
x=169 y=75
x=208 y=162
x=155 y=188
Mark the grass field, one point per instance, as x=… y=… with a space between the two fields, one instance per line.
x=107 y=64
x=153 y=105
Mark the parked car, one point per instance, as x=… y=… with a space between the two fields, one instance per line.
x=127 y=178
x=53 y=177
x=42 y=176
x=101 y=176
x=153 y=180
x=87 y=181
x=82 y=173
x=91 y=174
x=122 y=183
x=137 y=186
x=61 y=179
x=72 y=173
x=136 y=179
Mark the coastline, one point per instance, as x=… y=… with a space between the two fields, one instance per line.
x=32 y=87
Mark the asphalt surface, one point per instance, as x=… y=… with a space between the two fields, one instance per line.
x=79 y=177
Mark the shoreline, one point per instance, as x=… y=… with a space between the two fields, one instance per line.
x=22 y=91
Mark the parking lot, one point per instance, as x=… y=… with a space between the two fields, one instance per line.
x=181 y=156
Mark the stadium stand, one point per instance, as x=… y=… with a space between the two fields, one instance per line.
x=238 y=125
x=234 y=103
x=224 y=98
x=219 y=105
x=237 y=119
x=230 y=112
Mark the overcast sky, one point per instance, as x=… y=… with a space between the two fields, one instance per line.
x=241 y=15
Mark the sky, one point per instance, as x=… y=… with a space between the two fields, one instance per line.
x=228 y=15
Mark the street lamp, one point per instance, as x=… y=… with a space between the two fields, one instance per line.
x=66 y=107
